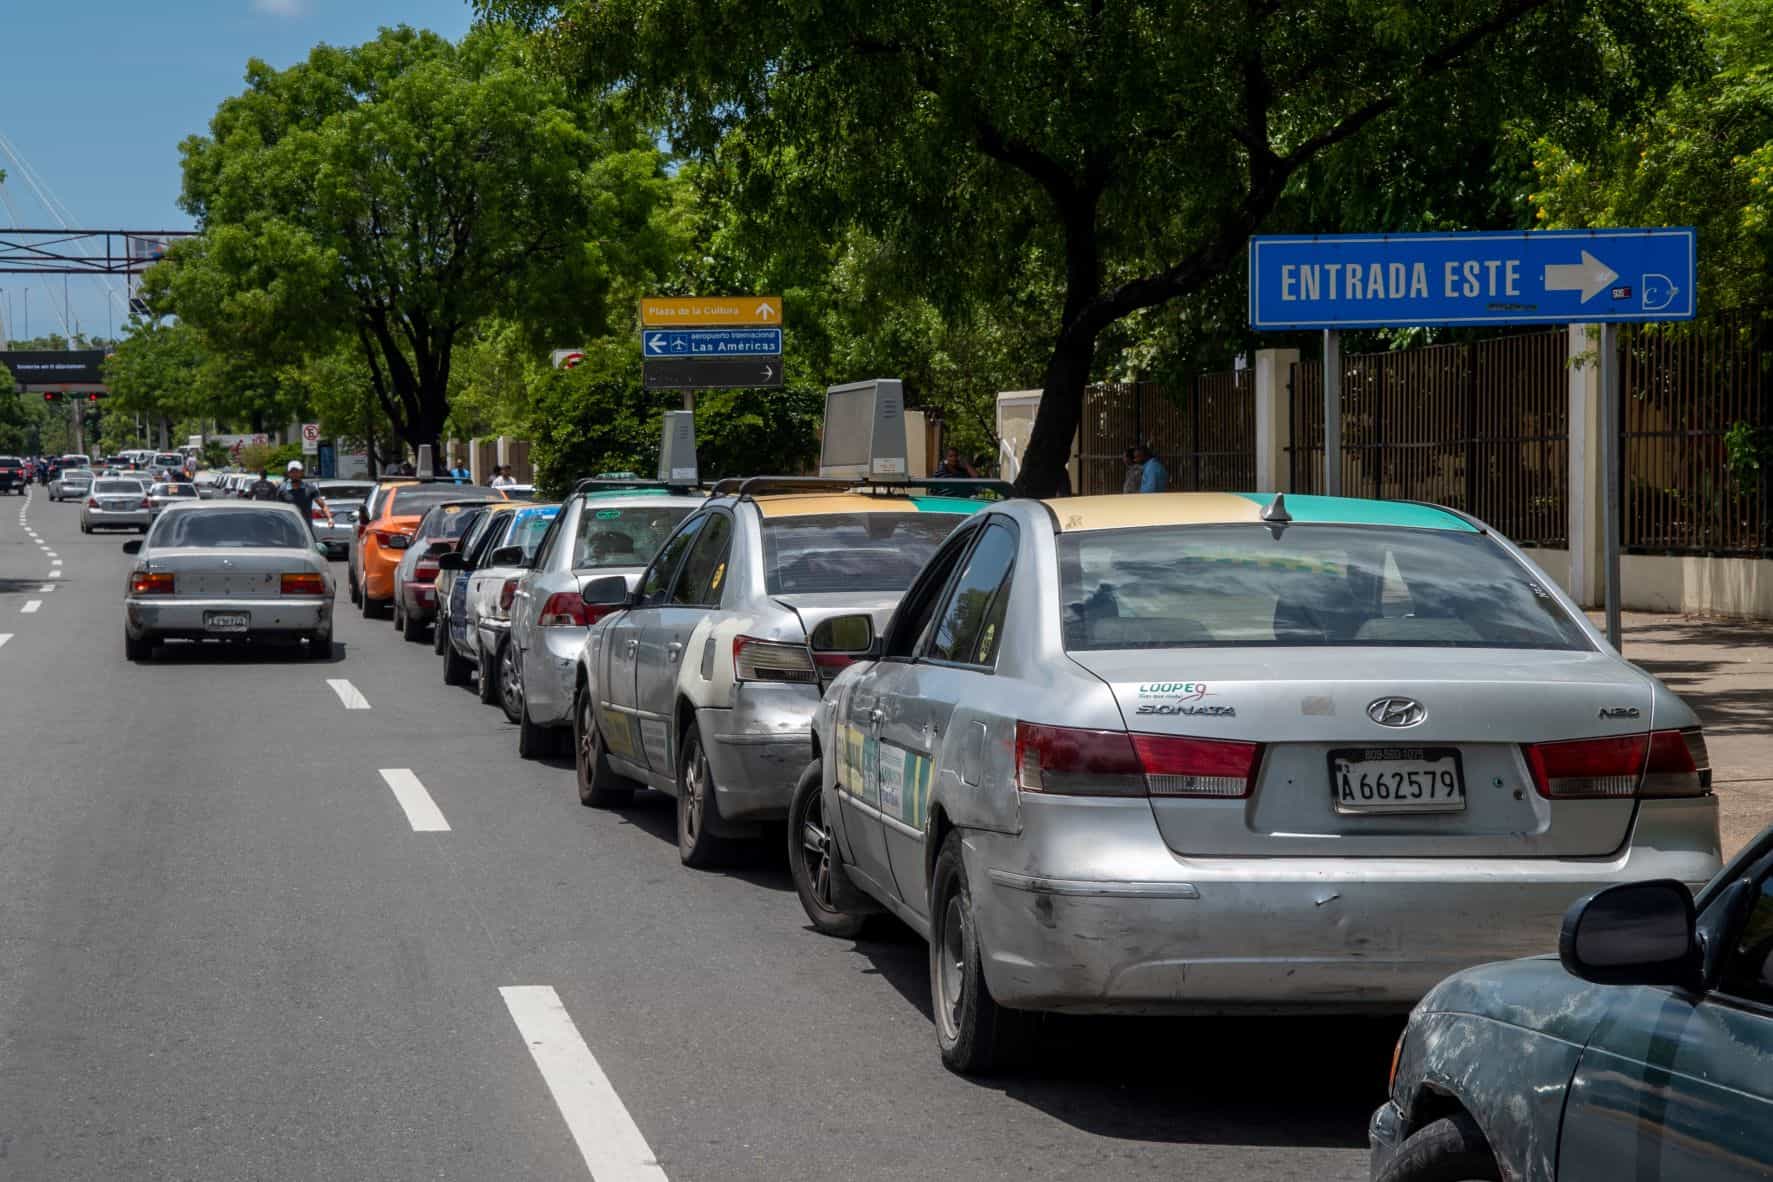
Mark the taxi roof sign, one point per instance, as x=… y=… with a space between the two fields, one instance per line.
x=709 y=311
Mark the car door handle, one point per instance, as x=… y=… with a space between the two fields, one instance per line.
x=674 y=650
x=632 y=645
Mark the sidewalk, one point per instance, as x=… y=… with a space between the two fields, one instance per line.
x=1724 y=670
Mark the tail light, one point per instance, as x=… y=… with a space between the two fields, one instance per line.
x=151 y=582
x=303 y=583
x=771 y=660
x=831 y=664
x=1075 y=762
x=566 y=609
x=314 y=514
x=507 y=593
x=1662 y=763
x=92 y=502
x=425 y=571
x=145 y=504
x=393 y=539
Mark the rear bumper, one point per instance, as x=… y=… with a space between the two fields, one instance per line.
x=549 y=672
x=378 y=574
x=418 y=600
x=758 y=748
x=183 y=618
x=1087 y=910
x=115 y=518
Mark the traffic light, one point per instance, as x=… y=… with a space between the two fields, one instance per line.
x=52 y=396
x=92 y=396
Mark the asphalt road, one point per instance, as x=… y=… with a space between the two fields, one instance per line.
x=227 y=953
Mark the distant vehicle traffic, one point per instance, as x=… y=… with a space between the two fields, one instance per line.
x=415 y=575
x=71 y=484
x=246 y=571
x=164 y=493
x=14 y=476
x=1114 y=754
x=1641 y=1052
x=384 y=540
x=481 y=612
x=346 y=499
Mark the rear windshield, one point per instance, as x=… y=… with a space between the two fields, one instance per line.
x=346 y=492
x=448 y=521
x=850 y=551
x=1239 y=585
x=11 y=462
x=232 y=529
x=625 y=535
x=117 y=486
x=412 y=502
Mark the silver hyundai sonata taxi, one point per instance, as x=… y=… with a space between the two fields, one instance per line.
x=1215 y=753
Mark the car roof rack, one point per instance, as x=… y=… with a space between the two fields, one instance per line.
x=756 y=486
x=617 y=483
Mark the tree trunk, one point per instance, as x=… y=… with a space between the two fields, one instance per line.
x=1056 y=422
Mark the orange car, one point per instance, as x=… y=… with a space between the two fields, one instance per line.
x=390 y=517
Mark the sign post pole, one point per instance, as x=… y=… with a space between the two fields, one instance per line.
x=1610 y=394
x=1332 y=413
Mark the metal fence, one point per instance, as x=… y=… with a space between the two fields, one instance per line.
x=1207 y=438
x=1482 y=427
x=1684 y=388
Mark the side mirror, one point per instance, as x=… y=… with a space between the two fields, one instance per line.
x=439 y=548
x=508 y=556
x=852 y=635
x=1636 y=933
x=133 y=546
x=609 y=591
x=451 y=561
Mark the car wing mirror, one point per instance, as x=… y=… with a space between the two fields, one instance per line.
x=133 y=546
x=609 y=591
x=1634 y=933
x=451 y=561
x=851 y=636
x=508 y=556
x=439 y=548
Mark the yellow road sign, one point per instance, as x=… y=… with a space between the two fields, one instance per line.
x=709 y=311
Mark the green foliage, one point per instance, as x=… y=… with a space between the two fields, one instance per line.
x=1703 y=158
x=213 y=455
x=387 y=198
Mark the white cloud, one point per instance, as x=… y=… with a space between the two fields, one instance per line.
x=280 y=7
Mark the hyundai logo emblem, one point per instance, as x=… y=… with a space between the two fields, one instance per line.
x=1396 y=711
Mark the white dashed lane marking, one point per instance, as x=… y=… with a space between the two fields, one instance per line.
x=348 y=694
x=31 y=605
x=421 y=811
x=46 y=589
x=4 y=637
x=612 y=1145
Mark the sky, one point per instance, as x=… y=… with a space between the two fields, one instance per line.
x=96 y=95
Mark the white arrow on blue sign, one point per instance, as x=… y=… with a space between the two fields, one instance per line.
x=711 y=342
x=1339 y=281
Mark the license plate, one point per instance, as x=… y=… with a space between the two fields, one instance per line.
x=226 y=621
x=119 y=504
x=1397 y=780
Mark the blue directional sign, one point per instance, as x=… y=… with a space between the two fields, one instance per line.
x=1337 y=281
x=711 y=342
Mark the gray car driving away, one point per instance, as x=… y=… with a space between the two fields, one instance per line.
x=1209 y=753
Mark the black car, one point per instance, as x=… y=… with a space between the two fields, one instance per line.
x=14 y=476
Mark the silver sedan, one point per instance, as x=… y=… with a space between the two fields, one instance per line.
x=1205 y=753
x=71 y=485
x=115 y=502
x=227 y=571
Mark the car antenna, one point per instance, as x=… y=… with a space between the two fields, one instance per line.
x=1276 y=516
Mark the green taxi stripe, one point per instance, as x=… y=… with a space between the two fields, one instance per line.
x=947 y=504
x=1360 y=511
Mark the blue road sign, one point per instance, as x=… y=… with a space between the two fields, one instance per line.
x=711 y=342
x=1558 y=276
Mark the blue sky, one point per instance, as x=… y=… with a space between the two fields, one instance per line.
x=97 y=94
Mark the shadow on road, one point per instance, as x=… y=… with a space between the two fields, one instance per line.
x=1210 y=1080
x=20 y=586
x=761 y=861
x=234 y=652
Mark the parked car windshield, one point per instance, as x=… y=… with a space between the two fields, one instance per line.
x=624 y=535
x=413 y=501
x=850 y=551
x=1238 y=585
x=231 y=529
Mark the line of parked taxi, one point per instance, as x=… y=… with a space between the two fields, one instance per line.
x=1179 y=753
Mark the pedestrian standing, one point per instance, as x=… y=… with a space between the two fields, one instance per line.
x=304 y=496
x=1129 y=483
x=1153 y=476
x=503 y=479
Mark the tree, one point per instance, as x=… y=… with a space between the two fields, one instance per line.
x=1128 y=147
x=392 y=195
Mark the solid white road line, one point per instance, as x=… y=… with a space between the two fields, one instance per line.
x=348 y=694
x=612 y=1146
x=31 y=605
x=421 y=810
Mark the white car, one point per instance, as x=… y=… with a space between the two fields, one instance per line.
x=116 y=502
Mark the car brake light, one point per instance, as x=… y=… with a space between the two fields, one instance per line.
x=393 y=539
x=1073 y=761
x=425 y=572
x=92 y=503
x=567 y=609
x=771 y=660
x=1662 y=763
x=314 y=514
x=303 y=583
x=144 y=504
x=151 y=582
x=507 y=593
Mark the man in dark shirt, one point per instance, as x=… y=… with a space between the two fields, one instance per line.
x=304 y=496
x=262 y=489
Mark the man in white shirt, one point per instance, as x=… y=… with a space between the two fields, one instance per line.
x=503 y=478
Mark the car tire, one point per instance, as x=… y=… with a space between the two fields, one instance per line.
x=975 y=1035
x=533 y=739
x=372 y=608
x=356 y=598
x=813 y=858
x=1452 y=1149
x=698 y=805
x=138 y=648
x=510 y=682
x=455 y=666
x=410 y=629
x=488 y=682
x=439 y=634
x=599 y=787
